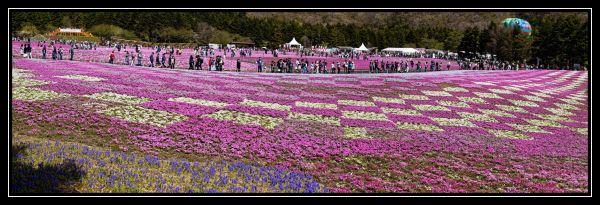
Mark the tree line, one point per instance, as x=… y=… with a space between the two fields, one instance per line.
x=560 y=38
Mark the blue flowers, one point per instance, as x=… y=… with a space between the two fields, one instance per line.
x=108 y=171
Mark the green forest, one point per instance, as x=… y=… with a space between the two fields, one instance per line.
x=557 y=38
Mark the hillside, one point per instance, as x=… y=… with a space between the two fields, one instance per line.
x=455 y=20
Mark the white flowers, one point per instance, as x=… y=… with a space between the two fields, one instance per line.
x=81 y=77
x=414 y=97
x=199 y=102
x=16 y=75
x=560 y=112
x=572 y=102
x=364 y=115
x=455 y=89
x=566 y=106
x=488 y=95
x=119 y=98
x=540 y=94
x=19 y=82
x=144 y=115
x=416 y=126
x=534 y=98
x=511 y=108
x=314 y=118
x=583 y=131
x=245 y=118
x=397 y=111
x=484 y=83
x=509 y=134
x=554 y=118
x=274 y=106
x=453 y=122
x=316 y=105
x=389 y=100
x=32 y=94
x=431 y=107
x=523 y=103
x=355 y=132
x=356 y=103
x=547 y=123
x=498 y=113
x=501 y=91
x=453 y=103
x=476 y=117
x=528 y=128
x=472 y=100
x=436 y=93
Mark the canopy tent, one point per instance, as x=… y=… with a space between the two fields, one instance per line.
x=434 y=51
x=362 y=48
x=293 y=43
x=345 y=48
x=214 y=45
x=70 y=32
x=401 y=50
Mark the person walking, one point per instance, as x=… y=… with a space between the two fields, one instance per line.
x=60 y=52
x=221 y=63
x=152 y=59
x=44 y=52
x=139 y=59
x=191 y=62
x=259 y=64
x=238 y=64
x=71 y=52
x=126 y=57
x=198 y=62
x=157 y=59
x=172 y=60
x=111 y=58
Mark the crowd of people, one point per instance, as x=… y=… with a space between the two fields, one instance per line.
x=164 y=57
x=305 y=66
x=405 y=66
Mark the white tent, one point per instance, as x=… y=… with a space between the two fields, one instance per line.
x=402 y=50
x=362 y=48
x=214 y=45
x=294 y=42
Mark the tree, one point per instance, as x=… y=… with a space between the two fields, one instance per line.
x=107 y=31
x=470 y=41
x=204 y=32
x=491 y=43
x=521 y=45
x=452 y=41
x=66 y=22
x=504 y=42
x=431 y=44
x=305 y=41
x=29 y=29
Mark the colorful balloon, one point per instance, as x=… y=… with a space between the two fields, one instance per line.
x=522 y=24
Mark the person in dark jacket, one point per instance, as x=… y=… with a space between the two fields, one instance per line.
x=191 y=62
x=238 y=65
x=71 y=52
x=60 y=52
x=157 y=59
x=44 y=52
x=198 y=62
x=152 y=59
x=54 y=53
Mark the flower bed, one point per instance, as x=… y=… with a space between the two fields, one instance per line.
x=454 y=132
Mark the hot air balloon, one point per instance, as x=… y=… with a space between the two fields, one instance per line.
x=522 y=24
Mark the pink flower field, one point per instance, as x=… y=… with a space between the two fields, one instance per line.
x=448 y=131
